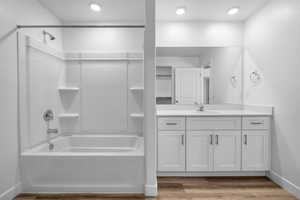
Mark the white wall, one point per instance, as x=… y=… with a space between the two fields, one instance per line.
x=8 y=118
x=272 y=39
x=105 y=40
x=149 y=101
x=13 y=12
x=31 y=12
x=178 y=61
x=195 y=34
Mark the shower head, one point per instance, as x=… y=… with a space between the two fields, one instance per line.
x=52 y=37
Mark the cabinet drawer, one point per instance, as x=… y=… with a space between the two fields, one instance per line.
x=171 y=123
x=213 y=123
x=256 y=123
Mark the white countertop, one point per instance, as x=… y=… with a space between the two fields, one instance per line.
x=207 y=113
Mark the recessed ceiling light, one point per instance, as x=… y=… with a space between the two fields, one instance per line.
x=181 y=11
x=233 y=11
x=95 y=7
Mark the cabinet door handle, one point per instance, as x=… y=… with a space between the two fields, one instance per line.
x=245 y=140
x=217 y=139
x=182 y=139
x=171 y=124
x=211 y=139
x=256 y=123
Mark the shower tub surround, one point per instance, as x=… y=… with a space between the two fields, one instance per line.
x=99 y=147
x=80 y=164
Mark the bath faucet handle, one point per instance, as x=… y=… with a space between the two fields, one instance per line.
x=48 y=115
x=49 y=130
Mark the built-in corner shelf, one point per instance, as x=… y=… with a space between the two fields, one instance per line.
x=69 y=116
x=137 y=115
x=68 y=89
x=137 y=88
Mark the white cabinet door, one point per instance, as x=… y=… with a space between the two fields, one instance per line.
x=255 y=151
x=199 y=151
x=171 y=151
x=188 y=85
x=227 y=151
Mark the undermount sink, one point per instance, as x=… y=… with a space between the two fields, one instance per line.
x=206 y=111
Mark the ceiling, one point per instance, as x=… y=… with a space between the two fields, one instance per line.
x=112 y=10
x=207 y=9
x=133 y=10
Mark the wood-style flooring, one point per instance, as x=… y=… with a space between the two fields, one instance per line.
x=192 y=188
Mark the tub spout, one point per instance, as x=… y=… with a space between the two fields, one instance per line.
x=51 y=146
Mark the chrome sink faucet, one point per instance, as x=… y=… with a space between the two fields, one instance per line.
x=200 y=107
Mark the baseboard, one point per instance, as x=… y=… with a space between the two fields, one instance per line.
x=11 y=193
x=98 y=189
x=212 y=174
x=284 y=183
x=151 y=190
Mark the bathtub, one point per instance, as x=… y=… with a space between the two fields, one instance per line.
x=85 y=164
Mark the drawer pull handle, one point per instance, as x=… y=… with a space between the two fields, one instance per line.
x=256 y=123
x=182 y=139
x=245 y=140
x=211 y=139
x=217 y=140
x=171 y=124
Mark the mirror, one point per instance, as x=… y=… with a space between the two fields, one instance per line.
x=199 y=75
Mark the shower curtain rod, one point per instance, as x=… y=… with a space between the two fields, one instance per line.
x=81 y=26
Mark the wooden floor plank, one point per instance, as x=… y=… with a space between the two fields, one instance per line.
x=191 y=188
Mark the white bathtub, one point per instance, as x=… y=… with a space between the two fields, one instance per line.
x=80 y=164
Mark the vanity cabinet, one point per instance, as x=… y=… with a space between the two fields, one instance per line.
x=171 y=144
x=199 y=151
x=227 y=151
x=171 y=151
x=256 y=144
x=213 y=151
x=213 y=144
